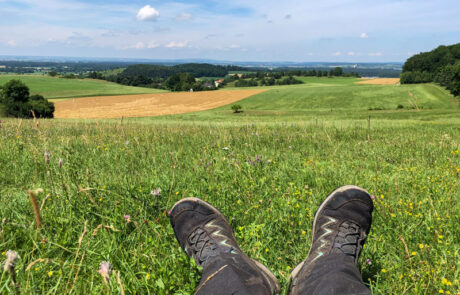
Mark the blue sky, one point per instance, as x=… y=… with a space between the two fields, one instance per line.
x=328 y=30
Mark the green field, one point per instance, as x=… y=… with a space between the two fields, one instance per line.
x=56 y=88
x=308 y=139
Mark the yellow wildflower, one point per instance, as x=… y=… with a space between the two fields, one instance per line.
x=50 y=273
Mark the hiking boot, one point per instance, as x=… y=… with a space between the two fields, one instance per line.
x=340 y=228
x=204 y=233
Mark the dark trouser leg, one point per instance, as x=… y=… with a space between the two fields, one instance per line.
x=232 y=274
x=334 y=274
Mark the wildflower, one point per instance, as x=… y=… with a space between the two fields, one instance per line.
x=60 y=163
x=225 y=148
x=266 y=250
x=147 y=276
x=304 y=232
x=127 y=142
x=127 y=217
x=441 y=291
x=47 y=157
x=368 y=261
x=372 y=197
x=105 y=270
x=156 y=192
x=11 y=257
x=50 y=273
x=420 y=246
x=413 y=253
x=169 y=212
x=384 y=270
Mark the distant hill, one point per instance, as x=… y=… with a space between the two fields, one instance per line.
x=440 y=65
x=196 y=69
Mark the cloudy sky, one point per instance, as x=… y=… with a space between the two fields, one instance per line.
x=241 y=30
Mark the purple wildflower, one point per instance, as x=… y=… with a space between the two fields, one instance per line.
x=127 y=217
x=47 y=157
x=372 y=197
x=105 y=270
x=368 y=261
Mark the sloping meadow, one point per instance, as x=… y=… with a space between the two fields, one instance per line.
x=106 y=188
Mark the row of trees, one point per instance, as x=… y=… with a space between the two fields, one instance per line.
x=17 y=102
x=441 y=65
x=267 y=81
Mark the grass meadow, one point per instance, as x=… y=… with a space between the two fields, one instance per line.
x=267 y=169
x=54 y=88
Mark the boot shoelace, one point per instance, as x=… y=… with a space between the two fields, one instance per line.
x=348 y=239
x=201 y=245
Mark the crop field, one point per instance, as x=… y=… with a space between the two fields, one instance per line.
x=148 y=104
x=380 y=81
x=55 y=89
x=267 y=169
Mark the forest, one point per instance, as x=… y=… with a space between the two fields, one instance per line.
x=441 y=65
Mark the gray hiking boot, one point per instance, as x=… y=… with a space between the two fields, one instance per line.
x=340 y=228
x=205 y=234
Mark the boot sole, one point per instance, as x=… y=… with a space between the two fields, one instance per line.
x=299 y=266
x=269 y=276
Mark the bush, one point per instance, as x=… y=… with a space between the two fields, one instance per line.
x=236 y=108
x=17 y=102
x=41 y=106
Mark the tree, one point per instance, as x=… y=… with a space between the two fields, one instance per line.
x=236 y=108
x=17 y=102
x=15 y=90
x=52 y=74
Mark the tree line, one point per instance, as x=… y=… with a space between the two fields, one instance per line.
x=441 y=65
x=175 y=78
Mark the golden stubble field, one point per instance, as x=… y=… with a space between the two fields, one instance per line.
x=380 y=81
x=144 y=105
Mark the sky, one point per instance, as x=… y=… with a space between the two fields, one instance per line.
x=237 y=30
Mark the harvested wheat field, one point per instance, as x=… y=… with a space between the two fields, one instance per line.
x=144 y=105
x=380 y=81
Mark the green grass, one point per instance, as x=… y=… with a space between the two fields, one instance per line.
x=58 y=88
x=408 y=159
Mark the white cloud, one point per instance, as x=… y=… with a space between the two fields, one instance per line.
x=139 y=45
x=350 y=53
x=183 y=17
x=363 y=36
x=174 y=44
x=235 y=46
x=375 y=54
x=11 y=43
x=338 y=53
x=147 y=13
x=152 y=45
